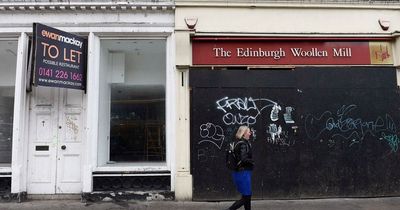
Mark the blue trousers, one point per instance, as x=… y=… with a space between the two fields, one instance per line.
x=242 y=181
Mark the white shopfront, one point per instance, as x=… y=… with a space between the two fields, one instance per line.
x=67 y=141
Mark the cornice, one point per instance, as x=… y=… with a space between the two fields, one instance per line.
x=288 y=4
x=87 y=6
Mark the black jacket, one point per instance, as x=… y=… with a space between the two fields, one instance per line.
x=244 y=155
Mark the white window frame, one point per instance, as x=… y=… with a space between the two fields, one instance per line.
x=169 y=111
x=6 y=167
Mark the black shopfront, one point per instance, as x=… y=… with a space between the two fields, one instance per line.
x=319 y=131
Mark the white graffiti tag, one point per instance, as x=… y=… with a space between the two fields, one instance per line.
x=212 y=134
x=275 y=132
x=288 y=115
x=250 y=109
x=278 y=136
x=275 y=113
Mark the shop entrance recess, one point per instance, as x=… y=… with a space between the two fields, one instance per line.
x=55 y=141
x=318 y=132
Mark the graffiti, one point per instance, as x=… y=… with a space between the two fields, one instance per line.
x=287 y=116
x=274 y=112
x=246 y=111
x=392 y=140
x=246 y=105
x=340 y=124
x=70 y=123
x=250 y=109
x=231 y=119
x=331 y=143
x=207 y=154
x=253 y=133
x=278 y=136
x=274 y=131
x=213 y=134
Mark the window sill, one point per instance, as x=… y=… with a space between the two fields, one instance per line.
x=2 y=165
x=139 y=167
x=5 y=170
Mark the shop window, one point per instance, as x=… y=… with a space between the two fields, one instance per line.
x=8 y=59
x=133 y=84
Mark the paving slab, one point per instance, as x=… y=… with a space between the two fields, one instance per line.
x=387 y=203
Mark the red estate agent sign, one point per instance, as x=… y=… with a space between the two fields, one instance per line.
x=289 y=52
x=60 y=58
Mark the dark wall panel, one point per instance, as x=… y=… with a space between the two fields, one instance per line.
x=216 y=115
x=313 y=137
x=352 y=141
x=241 y=78
x=346 y=77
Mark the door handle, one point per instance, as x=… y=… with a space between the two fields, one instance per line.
x=63 y=147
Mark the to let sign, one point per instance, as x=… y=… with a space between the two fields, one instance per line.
x=59 y=58
x=242 y=51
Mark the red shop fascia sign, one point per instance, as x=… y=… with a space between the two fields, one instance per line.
x=245 y=51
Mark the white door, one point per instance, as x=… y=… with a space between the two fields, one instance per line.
x=55 y=141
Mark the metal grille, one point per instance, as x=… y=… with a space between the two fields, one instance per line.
x=131 y=183
x=5 y=185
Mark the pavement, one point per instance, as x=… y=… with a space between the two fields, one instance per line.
x=387 y=203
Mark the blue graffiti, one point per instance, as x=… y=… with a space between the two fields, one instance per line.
x=340 y=124
x=392 y=140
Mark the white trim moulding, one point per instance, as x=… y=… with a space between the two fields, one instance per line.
x=85 y=6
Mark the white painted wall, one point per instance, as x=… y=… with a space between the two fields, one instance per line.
x=171 y=108
x=288 y=19
x=97 y=24
x=92 y=116
x=104 y=107
x=183 y=177
x=144 y=69
x=85 y=21
x=20 y=121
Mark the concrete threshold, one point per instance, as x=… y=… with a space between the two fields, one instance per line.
x=54 y=197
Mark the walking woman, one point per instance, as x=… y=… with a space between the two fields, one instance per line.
x=242 y=174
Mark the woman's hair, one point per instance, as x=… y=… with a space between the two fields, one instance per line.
x=241 y=130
